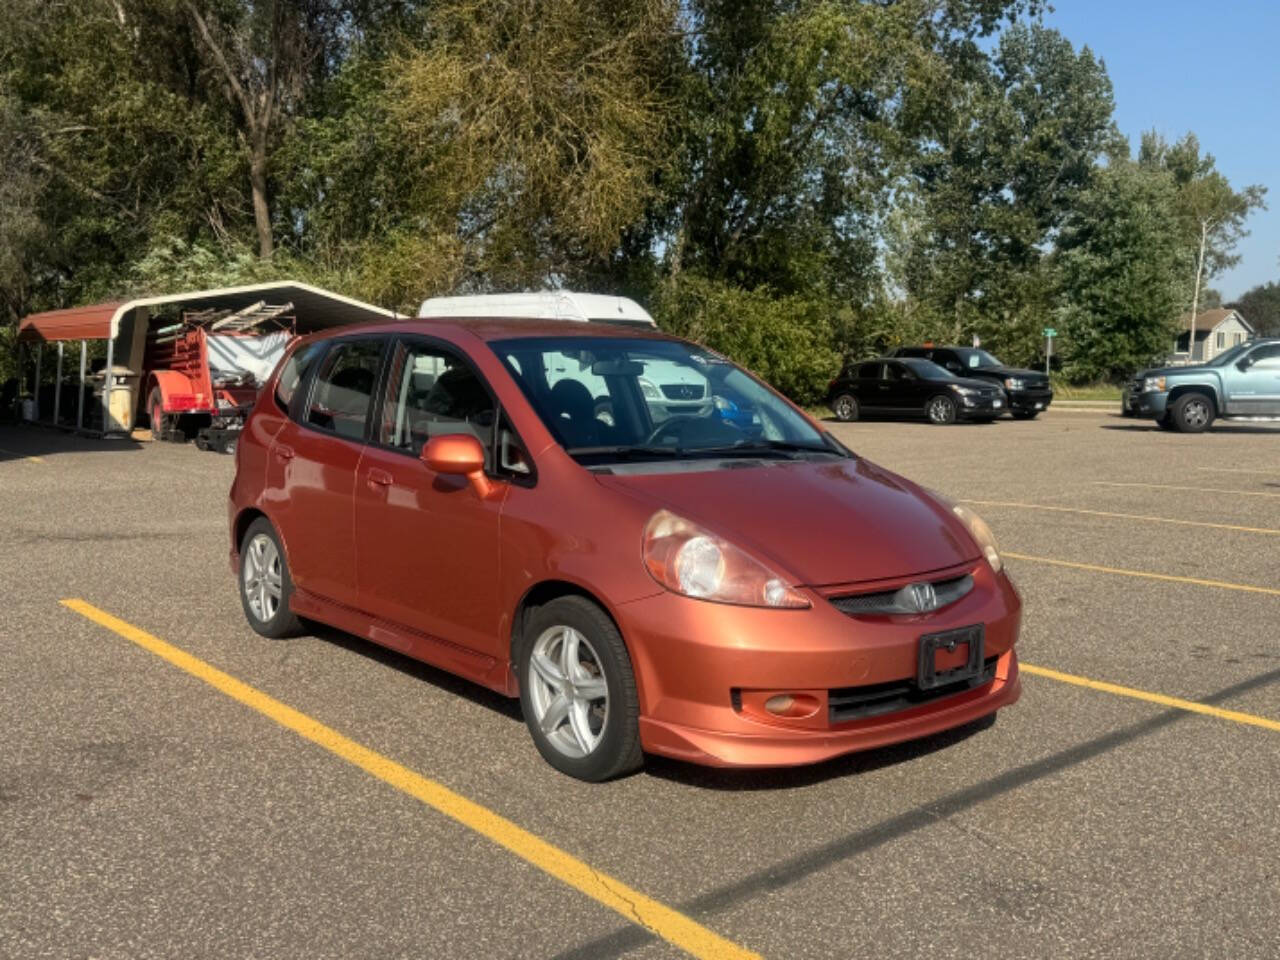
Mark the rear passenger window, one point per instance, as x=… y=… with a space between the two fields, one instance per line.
x=869 y=371
x=431 y=392
x=295 y=365
x=344 y=387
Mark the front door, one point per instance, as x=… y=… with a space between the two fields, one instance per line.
x=1255 y=391
x=904 y=389
x=311 y=470
x=427 y=544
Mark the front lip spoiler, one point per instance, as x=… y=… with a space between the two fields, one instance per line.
x=791 y=747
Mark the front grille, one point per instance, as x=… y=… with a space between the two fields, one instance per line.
x=856 y=703
x=886 y=602
x=682 y=391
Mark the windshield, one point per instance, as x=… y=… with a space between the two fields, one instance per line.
x=972 y=357
x=927 y=369
x=1231 y=356
x=610 y=399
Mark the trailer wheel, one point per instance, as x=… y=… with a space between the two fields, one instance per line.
x=160 y=425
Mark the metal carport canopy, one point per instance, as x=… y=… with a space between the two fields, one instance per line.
x=315 y=309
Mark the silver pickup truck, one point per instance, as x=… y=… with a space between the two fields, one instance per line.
x=1242 y=383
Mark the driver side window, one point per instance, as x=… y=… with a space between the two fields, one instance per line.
x=432 y=392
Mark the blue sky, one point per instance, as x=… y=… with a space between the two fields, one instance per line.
x=1211 y=68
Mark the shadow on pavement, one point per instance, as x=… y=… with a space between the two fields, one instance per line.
x=23 y=441
x=781 y=875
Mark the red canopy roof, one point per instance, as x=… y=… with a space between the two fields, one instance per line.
x=76 y=323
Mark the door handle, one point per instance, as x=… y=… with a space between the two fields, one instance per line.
x=283 y=452
x=378 y=478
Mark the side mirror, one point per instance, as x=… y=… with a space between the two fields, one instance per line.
x=1243 y=364
x=459 y=455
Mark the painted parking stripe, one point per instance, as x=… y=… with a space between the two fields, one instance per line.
x=661 y=920
x=1193 y=706
x=1171 y=486
x=1122 y=516
x=1144 y=574
x=1272 y=471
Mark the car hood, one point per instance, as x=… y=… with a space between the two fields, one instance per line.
x=1022 y=373
x=819 y=523
x=1170 y=371
x=973 y=382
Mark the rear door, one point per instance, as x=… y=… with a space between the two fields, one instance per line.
x=866 y=386
x=311 y=468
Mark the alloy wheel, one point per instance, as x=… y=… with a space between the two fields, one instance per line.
x=262 y=577
x=846 y=408
x=568 y=692
x=940 y=410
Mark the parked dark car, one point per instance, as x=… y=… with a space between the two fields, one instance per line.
x=1027 y=391
x=911 y=388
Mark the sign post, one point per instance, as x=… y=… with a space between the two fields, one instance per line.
x=1049 y=334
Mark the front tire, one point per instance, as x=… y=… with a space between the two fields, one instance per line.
x=265 y=584
x=941 y=410
x=845 y=407
x=1025 y=414
x=1193 y=413
x=578 y=691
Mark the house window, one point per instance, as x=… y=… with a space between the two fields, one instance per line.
x=1221 y=341
x=1236 y=338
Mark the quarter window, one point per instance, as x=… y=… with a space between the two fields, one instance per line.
x=344 y=387
x=295 y=366
x=869 y=371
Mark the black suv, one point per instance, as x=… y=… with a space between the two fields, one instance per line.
x=911 y=388
x=1028 y=390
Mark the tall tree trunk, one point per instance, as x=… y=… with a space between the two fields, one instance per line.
x=261 y=209
x=1195 y=297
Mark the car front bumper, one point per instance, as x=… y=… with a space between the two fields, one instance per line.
x=981 y=408
x=1029 y=401
x=1152 y=404
x=704 y=669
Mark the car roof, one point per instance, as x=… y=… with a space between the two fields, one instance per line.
x=503 y=328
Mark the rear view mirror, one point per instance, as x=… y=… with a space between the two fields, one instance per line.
x=458 y=454
x=617 y=368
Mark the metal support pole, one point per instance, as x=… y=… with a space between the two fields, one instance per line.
x=1048 y=352
x=57 y=388
x=84 y=358
x=106 y=383
x=35 y=392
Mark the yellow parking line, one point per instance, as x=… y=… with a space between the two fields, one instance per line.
x=1170 y=486
x=634 y=906
x=1233 y=715
x=23 y=456
x=1122 y=516
x=1220 y=584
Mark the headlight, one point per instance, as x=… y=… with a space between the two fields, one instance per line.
x=1152 y=383
x=649 y=391
x=981 y=533
x=689 y=560
x=1014 y=383
x=966 y=391
x=723 y=405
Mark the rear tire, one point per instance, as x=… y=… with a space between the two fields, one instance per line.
x=266 y=586
x=940 y=410
x=587 y=727
x=1193 y=413
x=845 y=407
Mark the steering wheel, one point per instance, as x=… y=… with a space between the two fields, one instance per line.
x=678 y=428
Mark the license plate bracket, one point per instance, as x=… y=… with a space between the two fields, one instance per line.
x=950 y=657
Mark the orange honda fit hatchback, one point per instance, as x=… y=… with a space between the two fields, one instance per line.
x=651 y=548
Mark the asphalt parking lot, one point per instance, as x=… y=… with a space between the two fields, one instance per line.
x=145 y=812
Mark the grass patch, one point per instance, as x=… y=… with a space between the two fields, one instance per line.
x=1088 y=391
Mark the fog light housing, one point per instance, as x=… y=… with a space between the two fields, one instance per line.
x=780 y=704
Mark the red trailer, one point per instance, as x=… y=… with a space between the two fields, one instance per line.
x=201 y=374
x=191 y=361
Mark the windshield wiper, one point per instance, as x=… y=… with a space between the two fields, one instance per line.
x=625 y=452
x=753 y=448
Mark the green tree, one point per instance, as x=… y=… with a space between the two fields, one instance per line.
x=1017 y=143
x=1261 y=307
x=1121 y=273
x=1210 y=213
